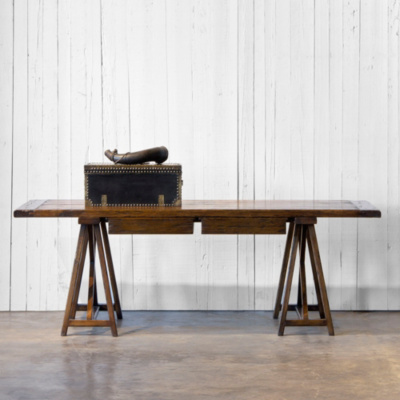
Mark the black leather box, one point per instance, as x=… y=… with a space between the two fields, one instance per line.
x=133 y=185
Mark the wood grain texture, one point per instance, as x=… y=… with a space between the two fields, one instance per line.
x=257 y=100
x=393 y=166
x=42 y=154
x=6 y=118
x=244 y=226
x=246 y=149
x=372 y=255
x=206 y=208
x=322 y=134
x=333 y=262
x=215 y=119
x=150 y=226
x=66 y=228
x=78 y=264
x=48 y=147
x=19 y=165
x=350 y=150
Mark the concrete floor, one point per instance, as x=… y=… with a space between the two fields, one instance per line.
x=200 y=355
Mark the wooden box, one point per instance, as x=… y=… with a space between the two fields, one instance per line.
x=133 y=185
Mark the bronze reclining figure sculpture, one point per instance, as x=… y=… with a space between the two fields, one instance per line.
x=157 y=154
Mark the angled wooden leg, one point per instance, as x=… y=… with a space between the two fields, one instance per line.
x=320 y=306
x=78 y=284
x=110 y=306
x=305 y=236
x=289 y=240
x=92 y=275
x=302 y=274
x=313 y=244
x=90 y=235
x=73 y=288
x=289 y=280
x=111 y=270
x=298 y=307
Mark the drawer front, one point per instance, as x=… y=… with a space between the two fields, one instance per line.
x=243 y=226
x=151 y=226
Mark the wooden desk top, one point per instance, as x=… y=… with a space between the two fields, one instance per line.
x=204 y=208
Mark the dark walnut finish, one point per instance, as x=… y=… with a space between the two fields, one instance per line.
x=243 y=226
x=302 y=233
x=93 y=233
x=204 y=208
x=217 y=217
x=150 y=226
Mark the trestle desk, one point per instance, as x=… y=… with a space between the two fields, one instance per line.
x=259 y=217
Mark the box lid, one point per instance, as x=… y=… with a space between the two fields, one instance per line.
x=146 y=167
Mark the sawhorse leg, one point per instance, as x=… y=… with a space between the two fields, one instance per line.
x=93 y=233
x=301 y=235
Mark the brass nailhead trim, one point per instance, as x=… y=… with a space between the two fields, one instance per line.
x=110 y=168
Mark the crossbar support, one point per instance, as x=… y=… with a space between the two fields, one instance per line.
x=93 y=233
x=302 y=235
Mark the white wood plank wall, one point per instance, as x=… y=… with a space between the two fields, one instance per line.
x=257 y=99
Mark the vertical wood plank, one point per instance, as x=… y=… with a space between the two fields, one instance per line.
x=86 y=90
x=246 y=149
x=334 y=273
x=202 y=129
x=42 y=152
x=321 y=126
x=215 y=123
x=67 y=229
x=49 y=157
x=264 y=102
x=34 y=125
x=180 y=30
x=351 y=54
x=301 y=99
x=6 y=118
x=372 y=145
x=19 y=151
x=283 y=114
x=393 y=154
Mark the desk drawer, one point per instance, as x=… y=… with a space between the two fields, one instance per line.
x=245 y=226
x=151 y=226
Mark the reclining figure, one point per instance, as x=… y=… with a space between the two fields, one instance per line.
x=157 y=154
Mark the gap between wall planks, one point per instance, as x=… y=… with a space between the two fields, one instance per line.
x=256 y=99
